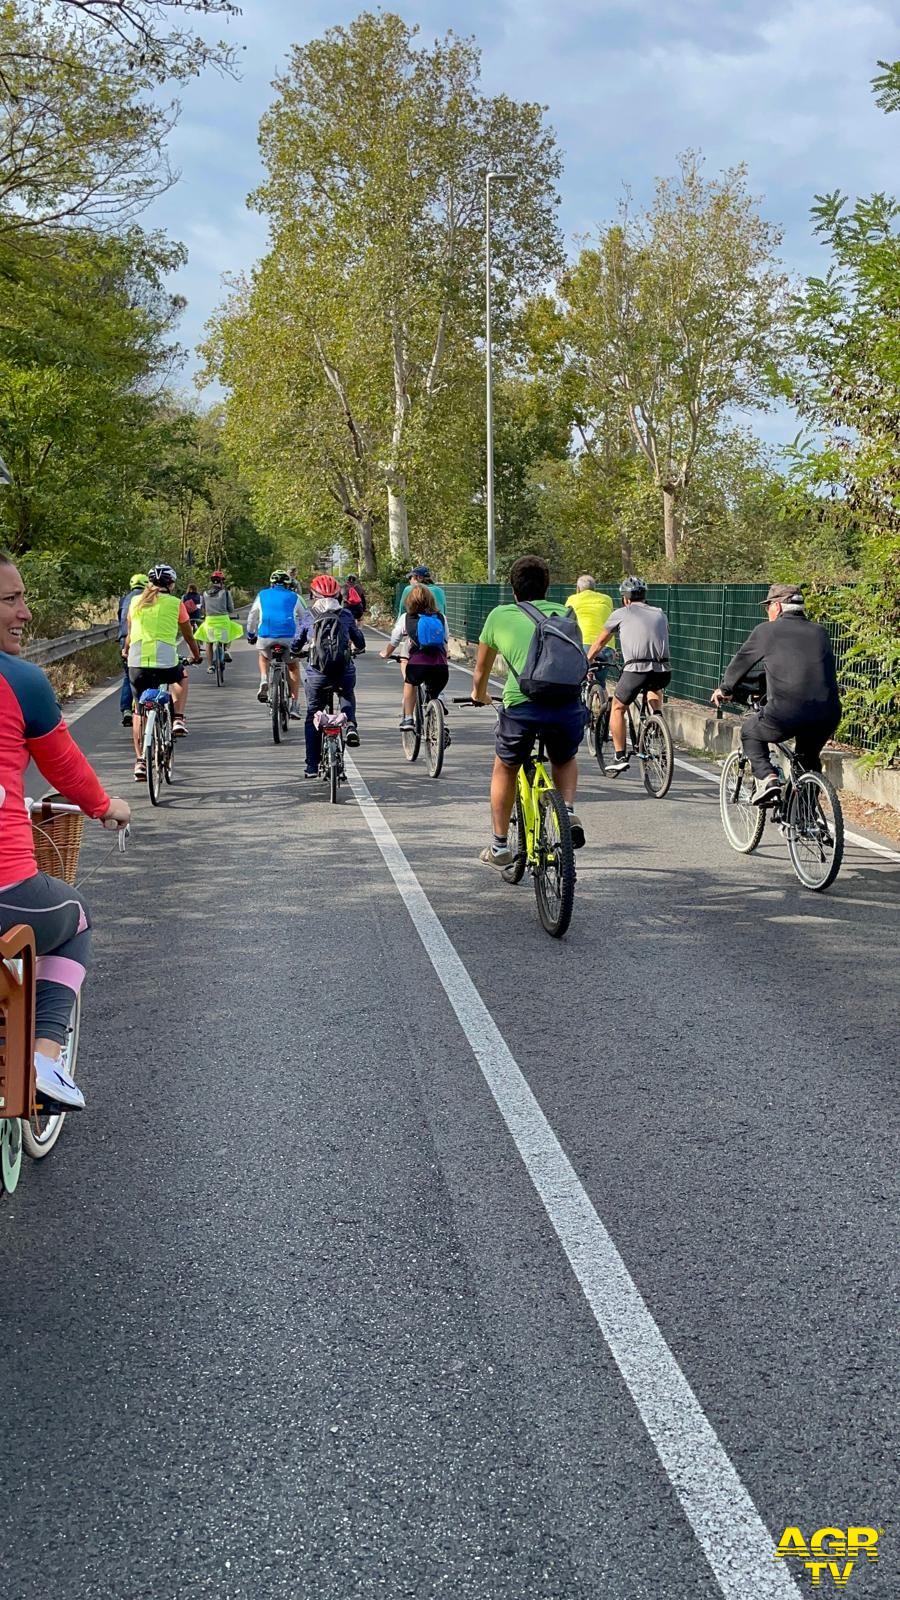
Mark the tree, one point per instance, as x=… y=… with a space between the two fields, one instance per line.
x=673 y=320
x=376 y=152
x=155 y=36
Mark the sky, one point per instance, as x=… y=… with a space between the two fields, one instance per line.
x=783 y=87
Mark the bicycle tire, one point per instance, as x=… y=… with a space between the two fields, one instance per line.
x=810 y=830
x=151 y=759
x=411 y=738
x=434 y=737
x=601 y=735
x=515 y=840
x=595 y=702
x=40 y=1134
x=275 y=683
x=169 y=759
x=658 y=767
x=284 y=708
x=219 y=655
x=554 y=910
x=334 y=774
x=742 y=821
x=10 y=1154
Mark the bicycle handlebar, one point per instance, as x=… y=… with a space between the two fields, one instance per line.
x=481 y=705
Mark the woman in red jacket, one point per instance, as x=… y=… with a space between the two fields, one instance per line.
x=32 y=729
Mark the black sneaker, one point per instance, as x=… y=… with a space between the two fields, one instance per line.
x=619 y=763
x=577 y=830
x=262 y=693
x=311 y=774
x=765 y=790
x=352 y=734
x=126 y=719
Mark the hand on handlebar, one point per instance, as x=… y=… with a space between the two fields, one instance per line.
x=718 y=697
x=118 y=814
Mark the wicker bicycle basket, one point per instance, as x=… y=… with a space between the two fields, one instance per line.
x=57 y=842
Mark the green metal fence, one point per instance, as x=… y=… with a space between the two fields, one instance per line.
x=708 y=622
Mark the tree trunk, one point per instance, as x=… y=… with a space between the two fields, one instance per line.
x=627 y=554
x=366 y=545
x=398 y=522
x=670 y=522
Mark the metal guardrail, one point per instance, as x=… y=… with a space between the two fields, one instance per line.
x=43 y=651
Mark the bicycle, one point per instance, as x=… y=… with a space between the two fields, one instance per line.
x=157 y=739
x=429 y=718
x=540 y=840
x=331 y=724
x=27 y=1127
x=807 y=812
x=650 y=740
x=218 y=661
x=278 y=691
x=595 y=696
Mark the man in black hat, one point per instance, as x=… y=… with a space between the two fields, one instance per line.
x=802 y=699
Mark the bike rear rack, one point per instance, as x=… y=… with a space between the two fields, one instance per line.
x=17 y=978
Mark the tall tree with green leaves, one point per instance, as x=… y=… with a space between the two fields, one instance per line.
x=376 y=152
x=674 y=319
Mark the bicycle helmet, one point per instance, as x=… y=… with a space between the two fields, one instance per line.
x=138 y=580
x=632 y=588
x=326 y=587
x=162 y=575
x=280 y=576
x=217 y=577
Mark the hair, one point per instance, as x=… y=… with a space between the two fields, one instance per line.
x=530 y=578
x=585 y=582
x=788 y=610
x=6 y=560
x=150 y=595
x=421 y=602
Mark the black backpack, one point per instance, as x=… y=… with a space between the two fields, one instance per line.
x=556 y=663
x=329 y=651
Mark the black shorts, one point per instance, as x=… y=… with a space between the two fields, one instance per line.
x=560 y=727
x=630 y=684
x=434 y=678
x=153 y=678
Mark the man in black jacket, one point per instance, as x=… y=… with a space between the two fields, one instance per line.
x=802 y=699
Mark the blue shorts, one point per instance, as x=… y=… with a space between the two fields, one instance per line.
x=560 y=727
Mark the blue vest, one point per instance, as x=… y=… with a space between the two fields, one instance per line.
x=277 y=606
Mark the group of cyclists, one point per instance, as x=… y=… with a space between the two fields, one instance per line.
x=531 y=634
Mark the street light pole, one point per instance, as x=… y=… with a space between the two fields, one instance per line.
x=489 y=364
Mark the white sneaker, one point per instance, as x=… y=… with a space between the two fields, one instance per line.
x=53 y=1082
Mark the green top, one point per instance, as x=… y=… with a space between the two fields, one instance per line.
x=510 y=631
x=439 y=596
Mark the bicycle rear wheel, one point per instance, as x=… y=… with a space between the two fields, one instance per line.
x=334 y=772
x=554 y=873
x=657 y=755
x=169 y=756
x=276 y=686
x=601 y=735
x=411 y=738
x=515 y=841
x=742 y=820
x=815 y=831
x=595 y=702
x=40 y=1134
x=219 y=657
x=434 y=737
x=154 y=759
x=10 y=1154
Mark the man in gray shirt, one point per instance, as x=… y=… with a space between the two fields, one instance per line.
x=644 y=642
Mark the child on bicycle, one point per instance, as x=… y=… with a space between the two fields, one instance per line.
x=421 y=633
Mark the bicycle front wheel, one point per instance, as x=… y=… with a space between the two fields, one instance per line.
x=434 y=737
x=554 y=872
x=40 y=1134
x=657 y=755
x=515 y=841
x=815 y=831
x=742 y=820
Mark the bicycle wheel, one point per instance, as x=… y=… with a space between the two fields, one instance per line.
x=657 y=755
x=411 y=738
x=10 y=1154
x=219 y=658
x=169 y=755
x=595 y=702
x=153 y=759
x=40 y=1134
x=742 y=820
x=515 y=840
x=434 y=737
x=601 y=735
x=276 y=686
x=815 y=831
x=554 y=874
x=284 y=707
x=334 y=772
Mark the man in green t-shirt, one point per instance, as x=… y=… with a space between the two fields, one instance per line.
x=508 y=632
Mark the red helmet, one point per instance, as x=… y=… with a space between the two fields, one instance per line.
x=217 y=574
x=326 y=587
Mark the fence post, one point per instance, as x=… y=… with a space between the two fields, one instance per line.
x=722 y=603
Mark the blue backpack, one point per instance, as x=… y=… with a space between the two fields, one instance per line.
x=427 y=633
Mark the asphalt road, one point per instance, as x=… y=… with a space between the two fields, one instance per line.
x=284 y=1315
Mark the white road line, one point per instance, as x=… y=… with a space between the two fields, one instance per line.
x=730 y=1530
x=94 y=700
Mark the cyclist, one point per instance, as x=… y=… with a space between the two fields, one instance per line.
x=155 y=620
x=193 y=601
x=220 y=624
x=802 y=697
x=330 y=633
x=32 y=729
x=592 y=608
x=421 y=575
x=509 y=631
x=354 y=596
x=427 y=643
x=644 y=642
x=136 y=583
x=275 y=619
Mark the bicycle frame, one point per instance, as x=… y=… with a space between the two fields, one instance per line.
x=533 y=780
